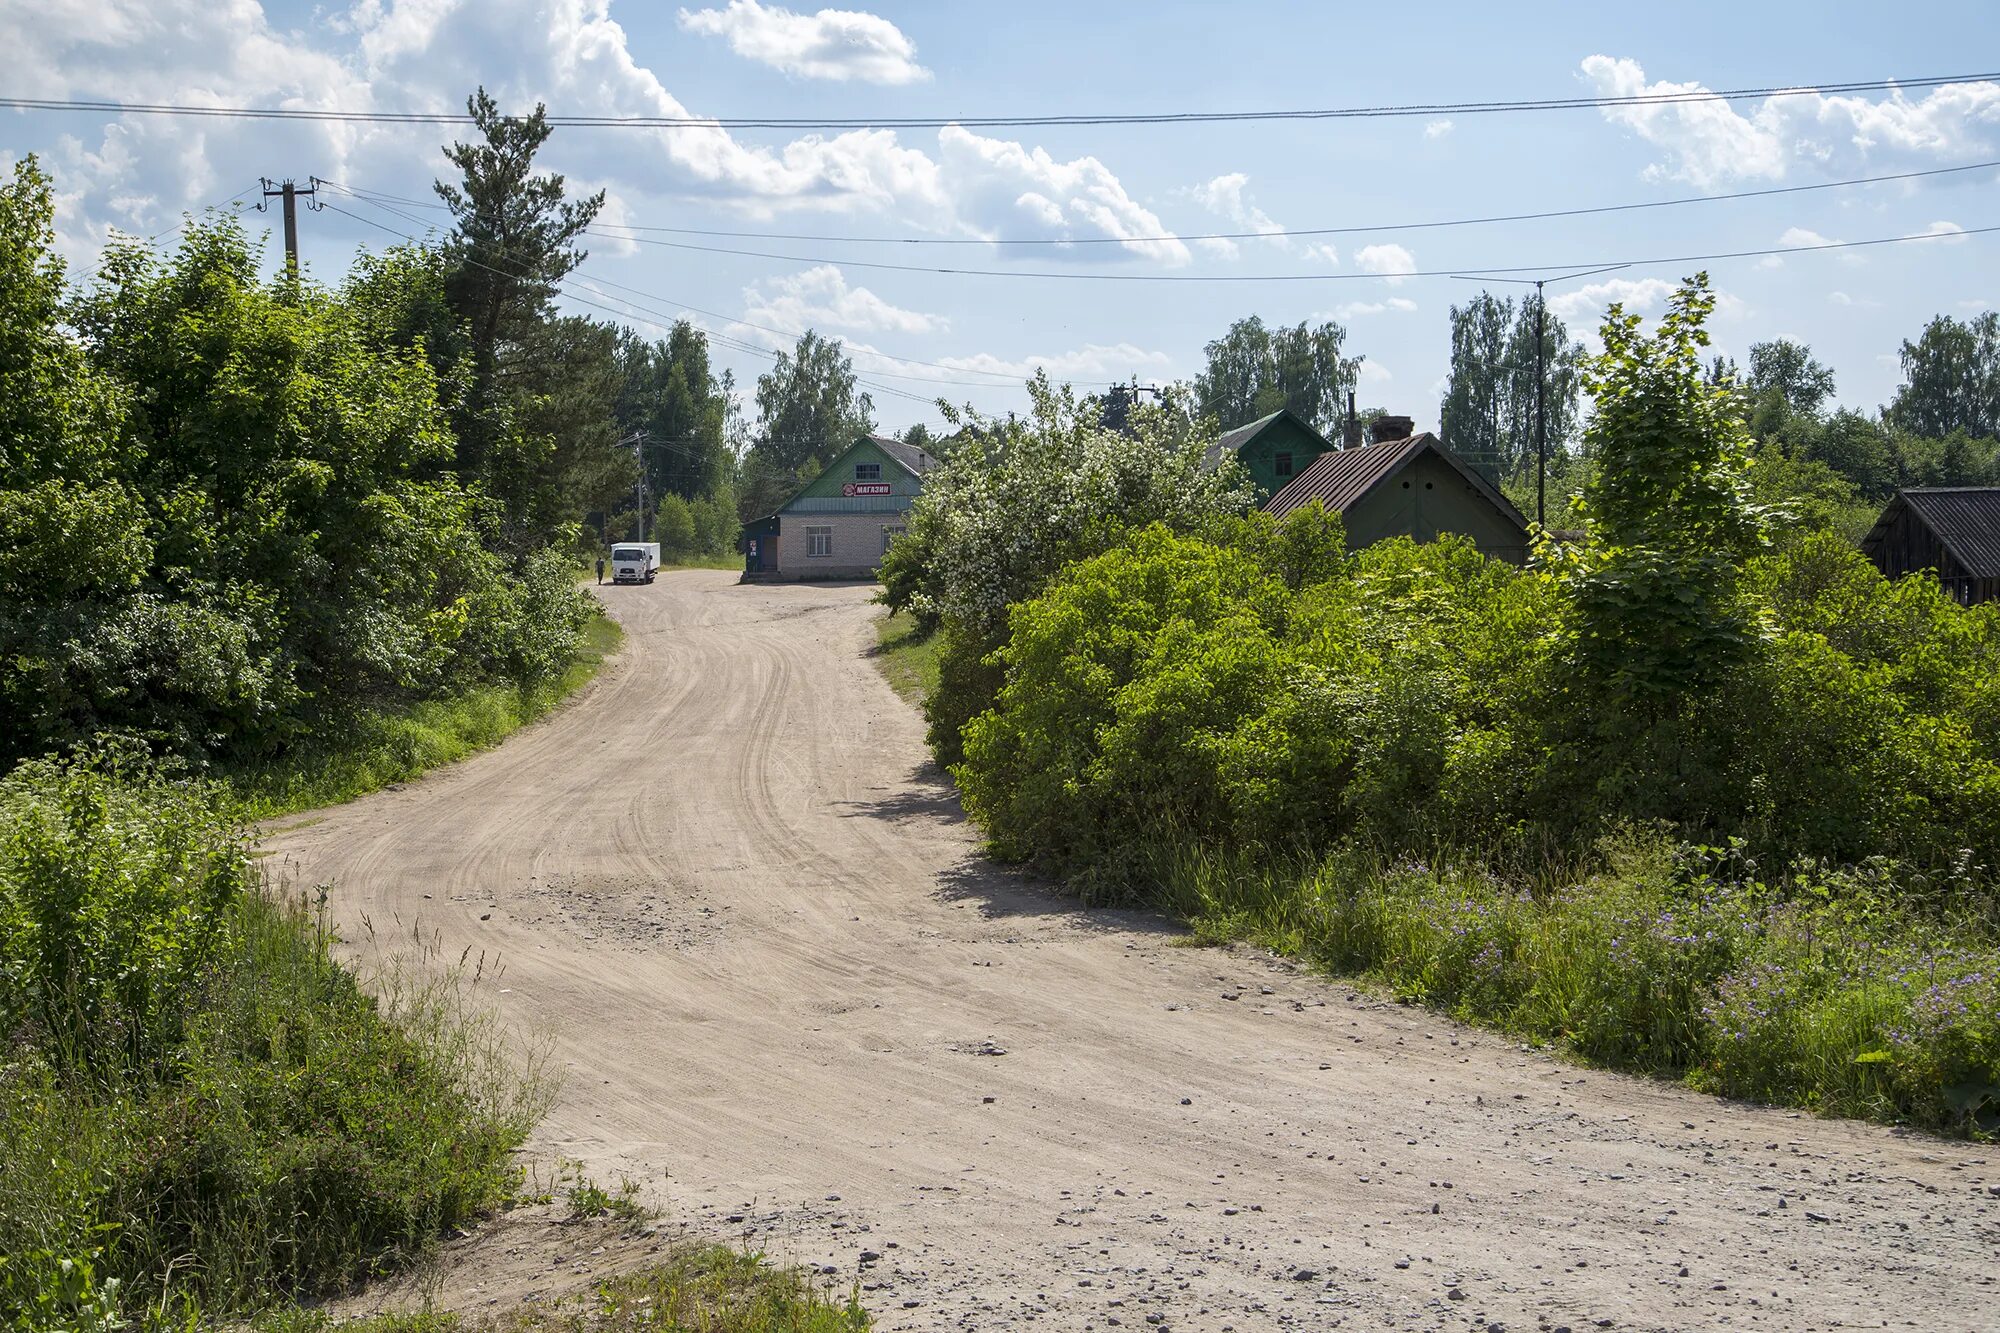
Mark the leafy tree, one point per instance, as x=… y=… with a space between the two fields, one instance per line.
x=1668 y=516
x=1786 y=370
x=562 y=451
x=1951 y=379
x=1859 y=449
x=670 y=392
x=1253 y=371
x=808 y=406
x=1013 y=501
x=228 y=512
x=512 y=245
x=673 y=524
x=1488 y=415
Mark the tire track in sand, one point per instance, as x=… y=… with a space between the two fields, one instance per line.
x=1297 y=1157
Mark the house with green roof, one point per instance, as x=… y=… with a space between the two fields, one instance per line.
x=839 y=524
x=1273 y=449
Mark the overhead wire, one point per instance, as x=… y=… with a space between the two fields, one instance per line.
x=1002 y=379
x=1387 y=275
x=661 y=322
x=612 y=230
x=1665 y=97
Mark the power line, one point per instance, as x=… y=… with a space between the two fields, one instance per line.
x=1353 y=229
x=1005 y=379
x=1466 y=108
x=657 y=323
x=1454 y=271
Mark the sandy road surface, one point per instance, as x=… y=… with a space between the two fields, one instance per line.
x=792 y=998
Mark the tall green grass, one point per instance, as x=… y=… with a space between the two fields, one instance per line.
x=1851 y=992
x=201 y=1111
x=376 y=748
x=907 y=655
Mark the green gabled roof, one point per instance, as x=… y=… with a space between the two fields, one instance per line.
x=1232 y=441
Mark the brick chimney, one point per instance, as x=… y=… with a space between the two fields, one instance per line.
x=1350 y=430
x=1391 y=428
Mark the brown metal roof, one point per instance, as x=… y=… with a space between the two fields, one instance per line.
x=1339 y=479
x=1964 y=519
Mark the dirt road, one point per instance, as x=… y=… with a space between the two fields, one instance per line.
x=793 y=1000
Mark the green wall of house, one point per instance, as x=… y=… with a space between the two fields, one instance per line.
x=1260 y=456
x=841 y=471
x=1427 y=498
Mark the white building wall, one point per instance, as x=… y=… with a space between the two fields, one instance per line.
x=857 y=544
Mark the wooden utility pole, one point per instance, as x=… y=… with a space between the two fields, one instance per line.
x=291 y=194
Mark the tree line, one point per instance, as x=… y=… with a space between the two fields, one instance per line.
x=237 y=511
x=1939 y=429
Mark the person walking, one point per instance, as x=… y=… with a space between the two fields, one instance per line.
x=600 y=569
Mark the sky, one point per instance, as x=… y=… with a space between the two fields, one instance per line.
x=1112 y=301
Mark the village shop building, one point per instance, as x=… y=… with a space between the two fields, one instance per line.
x=839 y=524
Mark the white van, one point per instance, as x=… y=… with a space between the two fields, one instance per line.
x=635 y=562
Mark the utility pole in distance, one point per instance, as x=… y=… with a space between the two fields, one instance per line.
x=291 y=193
x=1541 y=373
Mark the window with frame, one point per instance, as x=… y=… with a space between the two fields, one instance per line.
x=889 y=534
x=819 y=541
x=868 y=472
x=1282 y=464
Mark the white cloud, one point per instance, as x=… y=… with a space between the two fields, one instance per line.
x=1713 y=144
x=1092 y=361
x=1437 y=129
x=1638 y=296
x=837 y=44
x=1373 y=372
x=1801 y=236
x=1356 y=309
x=993 y=182
x=820 y=298
x=1388 y=260
x=1951 y=231
x=141 y=172
x=1226 y=197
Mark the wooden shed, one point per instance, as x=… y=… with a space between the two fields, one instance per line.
x=1408 y=487
x=1952 y=532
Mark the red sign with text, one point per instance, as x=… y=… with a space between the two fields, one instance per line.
x=853 y=488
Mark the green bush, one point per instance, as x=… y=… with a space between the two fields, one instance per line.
x=1830 y=989
x=229 y=514
x=199 y=1105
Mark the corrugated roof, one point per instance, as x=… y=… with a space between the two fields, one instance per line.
x=1965 y=519
x=917 y=460
x=1339 y=479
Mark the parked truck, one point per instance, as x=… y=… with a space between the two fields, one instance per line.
x=635 y=562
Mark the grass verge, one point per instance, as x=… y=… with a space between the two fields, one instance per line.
x=201 y=1110
x=1850 y=992
x=1842 y=991
x=394 y=745
x=906 y=656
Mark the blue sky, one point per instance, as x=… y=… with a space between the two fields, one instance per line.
x=918 y=335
